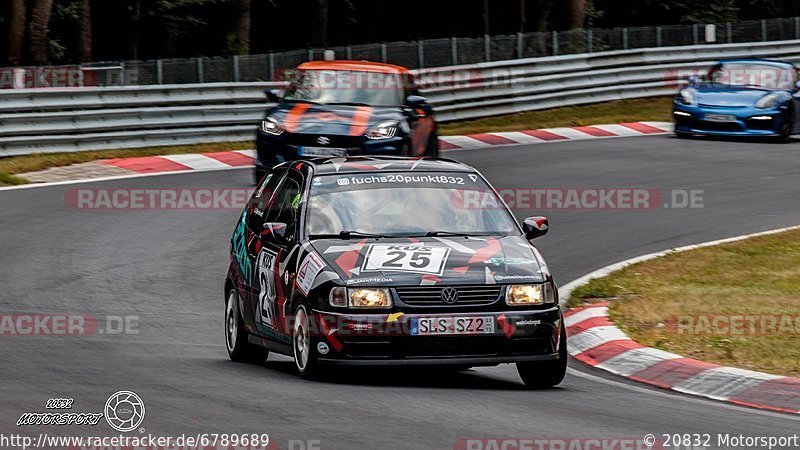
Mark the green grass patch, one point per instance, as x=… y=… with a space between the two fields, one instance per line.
x=658 y=109
x=736 y=304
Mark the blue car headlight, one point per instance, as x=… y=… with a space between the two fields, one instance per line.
x=687 y=96
x=383 y=130
x=768 y=101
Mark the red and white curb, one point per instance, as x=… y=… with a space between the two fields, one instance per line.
x=596 y=341
x=550 y=135
x=211 y=161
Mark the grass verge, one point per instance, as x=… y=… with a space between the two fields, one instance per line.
x=658 y=109
x=736 y=304
x=654 y=109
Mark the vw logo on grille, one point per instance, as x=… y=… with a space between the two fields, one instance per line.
x=322 y=140
x=449 y=295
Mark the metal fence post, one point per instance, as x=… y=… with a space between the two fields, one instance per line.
x=349 y=52
x=519 y=45
x=454 y=50
x=555 y=43
x=624 y=38
x=487 y=47
x=797 y=27
x=695 y=37
x=589 y=40
x=658 y=36
x=421 y=54
x=236 y=68
x=764 y=30
x=729 y=32
x=160 y=71
x=310 y=54
x=272 y=66
x=200 y=78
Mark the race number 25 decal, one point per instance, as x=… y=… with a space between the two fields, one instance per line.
x=405 y=258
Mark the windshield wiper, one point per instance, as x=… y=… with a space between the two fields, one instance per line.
x=453 y=233
x=346 y=234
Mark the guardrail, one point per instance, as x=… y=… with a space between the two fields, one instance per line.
x=52 y=120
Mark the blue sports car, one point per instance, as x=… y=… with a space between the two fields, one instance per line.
x=743 y=97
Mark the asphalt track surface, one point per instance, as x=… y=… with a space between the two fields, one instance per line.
x=167 y=268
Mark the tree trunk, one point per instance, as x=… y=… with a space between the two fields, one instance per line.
x=239 y=35
x=85 y=38
x=16 y=31
x=522 y=15
x=38 y=29
x=320 y=23
x=485 y=17
x=576 y=12
x=544 y=8
x=136 y=23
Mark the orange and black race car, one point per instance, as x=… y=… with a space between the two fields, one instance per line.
x=346 y=108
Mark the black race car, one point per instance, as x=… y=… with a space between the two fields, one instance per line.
x=346 y=108
x=381 y=260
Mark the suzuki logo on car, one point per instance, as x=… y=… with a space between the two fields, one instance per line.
x=449 y=295
x=322 y=140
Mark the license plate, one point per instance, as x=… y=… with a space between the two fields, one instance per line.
x=428 y=326
x=720 y=118
x=321 y=151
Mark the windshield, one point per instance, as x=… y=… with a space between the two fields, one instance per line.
x=764 y=76
x=346 y=87
x=406 y=204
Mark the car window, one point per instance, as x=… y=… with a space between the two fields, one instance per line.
x=260 y=202
x=286 y=205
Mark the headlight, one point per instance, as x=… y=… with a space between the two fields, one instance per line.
x=360 y=298
x=383 y=130
x=687 y=96
x=530 y=295
x=272 y=126
x=768 y=101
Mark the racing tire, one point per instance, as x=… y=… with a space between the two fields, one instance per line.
x=682 y=135
x=546 y=374
x=239 y=349
x=305 y=358
x=786 y=128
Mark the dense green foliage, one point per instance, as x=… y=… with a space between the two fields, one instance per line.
x=144 y=29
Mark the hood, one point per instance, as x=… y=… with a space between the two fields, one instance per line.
x=728 y=96
x=428 y=261
x=345 y=120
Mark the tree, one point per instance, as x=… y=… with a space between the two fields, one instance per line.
x=576 y=12
x=16 y=31
x=239 y=34
x=85 y=37
x=38 y=29
x=319 y=23
x=485 y=16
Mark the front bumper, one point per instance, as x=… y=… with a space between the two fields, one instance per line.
x=749 y=121
x=273 y=150
x=382 y=339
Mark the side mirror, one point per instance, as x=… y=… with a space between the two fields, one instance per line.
x=276 y=230
x=535 y=227
x=273 y=95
